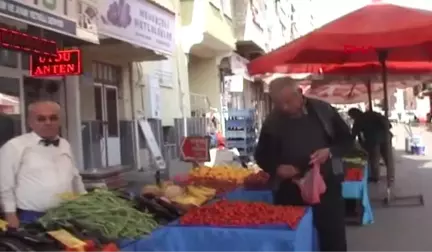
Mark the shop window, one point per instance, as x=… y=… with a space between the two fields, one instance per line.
x=8 y=58
x=25 y=61
x=10 y=109
x=106 y=73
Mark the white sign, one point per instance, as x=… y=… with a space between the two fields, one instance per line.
x=139 y=23
x=164 y=71
x=238 y=65
x=266 y=87
x=152 y=144
x=234 y=83
x=154 y=97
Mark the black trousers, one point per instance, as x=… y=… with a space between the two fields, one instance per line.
x=328 y=216
x=375 y=152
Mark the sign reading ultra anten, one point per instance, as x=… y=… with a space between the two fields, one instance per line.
x=139 y=23
x=67 y=62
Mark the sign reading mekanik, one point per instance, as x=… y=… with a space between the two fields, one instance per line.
x=67 y=62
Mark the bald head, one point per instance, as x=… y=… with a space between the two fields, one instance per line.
x=286 y=95
x=279 y=84
x=44 y=118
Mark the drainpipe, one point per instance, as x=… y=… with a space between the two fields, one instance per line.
x=134 y=117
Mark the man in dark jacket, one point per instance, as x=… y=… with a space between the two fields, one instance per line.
x=373 y=132
x=299 y=132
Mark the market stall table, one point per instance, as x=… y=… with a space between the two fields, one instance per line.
x=266 y=238
x=359 y=190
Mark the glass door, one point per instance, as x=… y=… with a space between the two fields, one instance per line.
x=106 y=105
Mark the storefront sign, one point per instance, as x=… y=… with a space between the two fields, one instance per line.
x=139 y=23
x=19 y=41
x=48 y=14
x=67 y=62
x=195 y=148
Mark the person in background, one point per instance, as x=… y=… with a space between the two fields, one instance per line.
x=373 y=132
x=37 y=167
x=299 y=132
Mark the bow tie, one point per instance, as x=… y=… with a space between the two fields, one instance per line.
x=48 y=142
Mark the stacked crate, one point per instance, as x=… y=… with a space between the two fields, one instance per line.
x=240 y=131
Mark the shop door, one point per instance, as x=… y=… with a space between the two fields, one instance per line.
x=106 y=105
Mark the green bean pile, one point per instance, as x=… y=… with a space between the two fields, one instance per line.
x=102 y=211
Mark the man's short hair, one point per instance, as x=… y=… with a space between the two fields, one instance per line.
x=34 y=104
x=281 y=83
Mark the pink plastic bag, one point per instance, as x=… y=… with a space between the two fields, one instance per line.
x=312 y=185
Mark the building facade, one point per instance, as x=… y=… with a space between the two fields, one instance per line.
x=63 y=22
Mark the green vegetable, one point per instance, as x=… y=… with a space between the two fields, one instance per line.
x=102 y=211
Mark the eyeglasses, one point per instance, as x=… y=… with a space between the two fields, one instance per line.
x=51 y=118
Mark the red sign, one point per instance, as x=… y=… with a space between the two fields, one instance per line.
x=196 y=148
x=67 y=62
x=19 y=41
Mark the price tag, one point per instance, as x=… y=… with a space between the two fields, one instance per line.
x=3 y=225
x=67 y=239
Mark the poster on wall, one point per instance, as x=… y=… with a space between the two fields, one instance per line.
x=155 y=97
x=234 y=83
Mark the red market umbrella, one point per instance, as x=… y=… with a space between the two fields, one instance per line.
x=378 y=32
x=341 y=94
x=374 y=68
x=403 y=74
x=404 y=33
x=375 y=33
x=351 y=90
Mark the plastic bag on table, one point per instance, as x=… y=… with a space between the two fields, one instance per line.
x=312 y=185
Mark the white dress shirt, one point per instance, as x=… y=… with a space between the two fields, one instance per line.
x=32 y=175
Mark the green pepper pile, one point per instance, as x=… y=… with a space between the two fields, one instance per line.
x=102 y=211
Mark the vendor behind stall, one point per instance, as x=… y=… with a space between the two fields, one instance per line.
x=299 y=132
x=37 y=167
x=373 y=132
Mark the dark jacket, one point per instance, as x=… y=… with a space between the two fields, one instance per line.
x=371 y=128
x=340 y=138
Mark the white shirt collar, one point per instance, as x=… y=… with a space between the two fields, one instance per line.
x=36 y=138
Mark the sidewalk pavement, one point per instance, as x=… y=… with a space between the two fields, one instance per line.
x=400 y=228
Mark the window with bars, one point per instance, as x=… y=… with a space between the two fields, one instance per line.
x=106 y=73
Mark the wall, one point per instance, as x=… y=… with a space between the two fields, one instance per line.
x=204 y=79
x=220 y=25
x=174 y=83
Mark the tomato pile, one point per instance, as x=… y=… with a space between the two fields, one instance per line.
x=354 y=174
x=240 y=213
x=257 y=181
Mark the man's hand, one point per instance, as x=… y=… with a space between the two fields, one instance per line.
x=12 y=220
x=320 y=156
x=286 y=171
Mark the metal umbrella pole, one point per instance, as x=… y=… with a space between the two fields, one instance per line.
x=391 y=199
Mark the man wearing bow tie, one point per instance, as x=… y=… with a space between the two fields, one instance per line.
x=35 y=168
